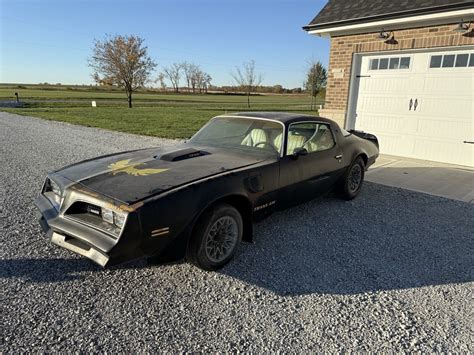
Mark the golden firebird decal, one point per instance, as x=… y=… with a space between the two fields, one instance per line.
x=124 y=166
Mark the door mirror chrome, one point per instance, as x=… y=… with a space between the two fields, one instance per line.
x=299 y=152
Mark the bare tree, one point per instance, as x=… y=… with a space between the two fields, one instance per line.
x=189 y=70
x=194 y=77
x=206 y=82
x=173 y=73
x=161 y=80
x=247 y=78
x=122 y=61
x=199 y=75
x=316 y=79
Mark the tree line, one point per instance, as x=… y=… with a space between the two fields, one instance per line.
x=123 y=61
x=196 y=79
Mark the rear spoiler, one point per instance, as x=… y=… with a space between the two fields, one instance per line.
x=365 y=135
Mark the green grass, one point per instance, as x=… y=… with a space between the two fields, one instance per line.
x=154 y=114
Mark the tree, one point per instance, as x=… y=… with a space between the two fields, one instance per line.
x=173 y=73
x=122 y=61
x=189 y=71
x=277 y=89
x=194 y=77
x=247 y=78
x=161 y=80
x=316 y=79
x=206 y=82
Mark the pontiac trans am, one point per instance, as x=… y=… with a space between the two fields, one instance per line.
x=198 y=200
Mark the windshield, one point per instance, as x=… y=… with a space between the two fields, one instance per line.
x=241 y=133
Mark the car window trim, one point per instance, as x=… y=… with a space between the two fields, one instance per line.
x=283 y=145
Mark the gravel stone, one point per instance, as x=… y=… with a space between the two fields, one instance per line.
x=389 y=271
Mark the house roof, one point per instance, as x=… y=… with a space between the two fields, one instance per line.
x=342 y=12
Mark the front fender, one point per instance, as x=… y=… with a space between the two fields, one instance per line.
x=168 y=221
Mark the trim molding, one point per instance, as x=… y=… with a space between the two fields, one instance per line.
x=396 y=23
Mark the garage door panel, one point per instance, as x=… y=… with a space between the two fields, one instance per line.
x=439 y=128
x=454 y=108
x=382 y=104
x=444 y=114
x=448 y=84
x=442 y=150
x=394 y=143
x=387 y=124
x=375 y=85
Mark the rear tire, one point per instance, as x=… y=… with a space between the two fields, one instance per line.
x=216 y=238
x=353 y=179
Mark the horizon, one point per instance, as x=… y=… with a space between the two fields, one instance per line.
x=51 y=41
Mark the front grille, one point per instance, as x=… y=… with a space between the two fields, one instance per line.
x=91 y=215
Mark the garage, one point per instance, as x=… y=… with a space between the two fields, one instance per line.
x=420 y=104
x=403 y=70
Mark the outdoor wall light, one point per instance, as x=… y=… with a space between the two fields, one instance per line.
x=391 y=40
x=384 y=34
x=462 y=27
x=387 y=36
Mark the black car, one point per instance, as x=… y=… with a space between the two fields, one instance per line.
x=198 y=200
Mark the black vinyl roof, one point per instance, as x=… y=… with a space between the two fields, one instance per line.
x=339 y=12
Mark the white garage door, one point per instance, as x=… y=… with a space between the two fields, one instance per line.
x=420 y=105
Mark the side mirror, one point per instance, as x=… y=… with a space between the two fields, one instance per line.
x=299 y=152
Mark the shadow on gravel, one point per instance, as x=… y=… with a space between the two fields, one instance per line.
x=386 y=239
x=54 y=270
x=44 y=270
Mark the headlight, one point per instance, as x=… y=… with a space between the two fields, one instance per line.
x=108 y=215
x=53 y=192
x=119 y=219
x=112 y=217
x=55 y=188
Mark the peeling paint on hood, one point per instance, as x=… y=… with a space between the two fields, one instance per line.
x=133 y=176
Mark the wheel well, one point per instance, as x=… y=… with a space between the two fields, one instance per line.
x=243 y=205
x=364 y=158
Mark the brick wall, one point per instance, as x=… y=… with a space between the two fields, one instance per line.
x=343 y=48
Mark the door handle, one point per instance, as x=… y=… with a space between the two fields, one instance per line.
x=338 y=157
x=410 y=105
x=469 y=142
x=416 y=104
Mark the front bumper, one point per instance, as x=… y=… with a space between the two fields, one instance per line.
x=81 y=239
x=80 y=248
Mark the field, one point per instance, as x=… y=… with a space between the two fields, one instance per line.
x=154 y=114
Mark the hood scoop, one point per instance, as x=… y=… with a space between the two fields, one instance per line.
x=183 y=154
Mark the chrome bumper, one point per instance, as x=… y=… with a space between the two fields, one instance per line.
x=78 y=247
x=73 y=236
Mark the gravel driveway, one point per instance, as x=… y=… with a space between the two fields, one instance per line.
x=391 y=270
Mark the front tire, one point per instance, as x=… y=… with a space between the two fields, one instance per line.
x=216 y=238
x=352 y=181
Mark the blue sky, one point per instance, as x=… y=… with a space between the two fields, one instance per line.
x=50 y=41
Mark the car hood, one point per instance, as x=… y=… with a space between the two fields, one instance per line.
x=133 y=176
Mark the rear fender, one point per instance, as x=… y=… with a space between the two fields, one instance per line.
x=366 y=136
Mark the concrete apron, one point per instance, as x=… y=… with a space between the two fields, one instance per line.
x=451 y=181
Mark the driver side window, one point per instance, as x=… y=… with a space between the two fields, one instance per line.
x=313 y=137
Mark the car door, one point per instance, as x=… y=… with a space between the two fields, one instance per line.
x=311 y=163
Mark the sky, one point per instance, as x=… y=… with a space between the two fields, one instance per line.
x=50 y=41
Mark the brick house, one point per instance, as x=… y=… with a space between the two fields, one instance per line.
x=403 y=70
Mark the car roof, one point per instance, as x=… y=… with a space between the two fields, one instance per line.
x=285 y=117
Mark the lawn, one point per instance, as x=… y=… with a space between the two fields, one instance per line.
x=154 y=114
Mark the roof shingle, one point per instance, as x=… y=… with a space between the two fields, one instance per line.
x=356 y=11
